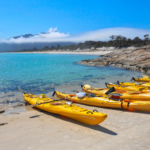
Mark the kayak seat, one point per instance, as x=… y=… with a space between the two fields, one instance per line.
x=91 y=95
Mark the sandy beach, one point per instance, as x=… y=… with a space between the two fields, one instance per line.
x=31 y=129
x=35 y=129
x=72 y=52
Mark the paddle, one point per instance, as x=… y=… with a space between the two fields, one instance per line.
x=106 y=84
x=82 y=86
x=110 y=90
x=21 y=90
x=118 y=82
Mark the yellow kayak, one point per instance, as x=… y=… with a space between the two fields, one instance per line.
x=97 y=91
x=119 y=94
x=141 y=79
x=63 y=108
x=134 y=84
x=134 y=95
x=108 y=102
x=128 y=88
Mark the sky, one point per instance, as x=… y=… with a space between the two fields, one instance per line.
x=73 y=18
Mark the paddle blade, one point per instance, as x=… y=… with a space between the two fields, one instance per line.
x=133 y=79
x=106 y=84
x=21 y=90
x=118 y=82
x=110 y=90
x=53 y=93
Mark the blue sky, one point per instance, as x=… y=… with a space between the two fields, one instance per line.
x=19 y=17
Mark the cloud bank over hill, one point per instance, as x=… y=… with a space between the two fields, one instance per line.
x=53 y=35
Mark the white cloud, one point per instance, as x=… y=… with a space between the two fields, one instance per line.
x=52 y=35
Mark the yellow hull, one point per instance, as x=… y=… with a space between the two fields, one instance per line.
x=128 y=88
x=62 y=108
x=142 y=85
x=131 y=95
x=139 y=96
x=142 y=79
x=106 y=102
x=96 y=91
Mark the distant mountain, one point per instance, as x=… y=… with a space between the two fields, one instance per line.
x=12 y=46
x=29 y=35
x=5 y=47
x=24 y=36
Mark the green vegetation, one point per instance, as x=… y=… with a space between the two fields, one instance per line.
x=115 y=41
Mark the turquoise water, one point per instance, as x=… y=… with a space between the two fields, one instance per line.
x=40 y=72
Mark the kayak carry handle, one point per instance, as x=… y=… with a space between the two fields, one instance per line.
x=89 y=112
x=95 y=110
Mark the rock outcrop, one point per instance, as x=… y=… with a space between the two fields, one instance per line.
x=134 y=59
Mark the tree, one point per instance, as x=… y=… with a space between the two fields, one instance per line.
x=45 y=48
x=34 y=49
x=137 y=39
x=58 y=46
x=146 y=37
x=112 y=37
x=52 y=47
x=118 y=41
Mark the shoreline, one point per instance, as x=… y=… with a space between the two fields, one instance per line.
x=134 y=60
x=71 y=52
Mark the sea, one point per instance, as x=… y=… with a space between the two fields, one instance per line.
x=43 y=73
